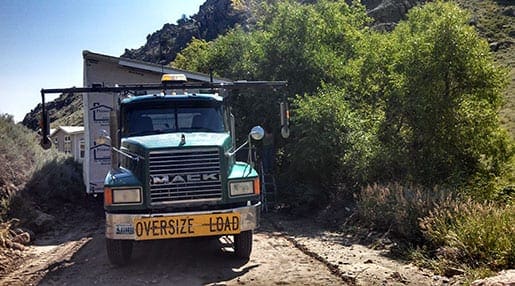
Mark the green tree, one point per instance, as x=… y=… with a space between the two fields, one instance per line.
x=306 y=44
x=443 y=101
x=426 y=95
x=235 y=55
x=335 y=144
x=303 y=44
x=193 y=57
x=311 y=44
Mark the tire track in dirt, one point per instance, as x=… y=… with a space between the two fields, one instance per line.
x=347 y=258
x=42 y=259
x=334 y=269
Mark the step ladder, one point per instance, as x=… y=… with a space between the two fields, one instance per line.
x=268 y=189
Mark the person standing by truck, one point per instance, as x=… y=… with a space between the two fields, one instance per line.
x=268 y=159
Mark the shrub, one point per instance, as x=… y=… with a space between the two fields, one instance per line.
x=442 y=104
x=398 y=208
x=457 y=233
x=476 y=234
x=57 y=180
x=335 y=145
x=18 y=151
x=302 y=199
x=27 y=171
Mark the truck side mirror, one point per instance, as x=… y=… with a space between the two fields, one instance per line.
x=45 y=143
x=257 y=133
x=285 y=120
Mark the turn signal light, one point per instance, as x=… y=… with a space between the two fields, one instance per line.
x=257 y=186
x=108 y=196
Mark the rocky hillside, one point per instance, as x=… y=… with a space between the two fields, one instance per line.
x=64 y=110
x=216 y=17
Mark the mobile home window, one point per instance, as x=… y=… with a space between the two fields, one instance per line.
x=81 y=148
x=67 y=144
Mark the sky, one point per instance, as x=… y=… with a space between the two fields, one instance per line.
x=41 y=42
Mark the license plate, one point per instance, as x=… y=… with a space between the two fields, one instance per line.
x=186 y=226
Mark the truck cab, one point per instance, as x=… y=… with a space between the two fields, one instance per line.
x=172 y=171
x=175 y=175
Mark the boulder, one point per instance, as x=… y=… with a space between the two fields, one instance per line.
x=43 y=222
x=509 y=11
x=503 y=278
x=387 y=13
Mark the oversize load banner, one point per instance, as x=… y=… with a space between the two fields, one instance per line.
x=186 y=226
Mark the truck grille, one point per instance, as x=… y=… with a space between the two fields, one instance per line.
x=180 y=176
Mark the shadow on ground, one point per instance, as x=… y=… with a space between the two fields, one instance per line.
x=192 y=261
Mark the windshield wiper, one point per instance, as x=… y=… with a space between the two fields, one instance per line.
x=196 y=129
x=148 y=132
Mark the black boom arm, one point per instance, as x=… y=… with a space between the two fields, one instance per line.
x=44 y=124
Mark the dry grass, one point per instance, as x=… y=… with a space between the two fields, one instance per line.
x=29 y=171
x=17 y=156
x=398 y=208
x=449 y=233
x=472 y=234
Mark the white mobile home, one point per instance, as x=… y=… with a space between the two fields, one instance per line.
x=70 y=140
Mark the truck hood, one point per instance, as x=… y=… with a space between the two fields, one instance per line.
x=192 y=139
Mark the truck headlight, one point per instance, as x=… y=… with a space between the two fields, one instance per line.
x=244 y=187
x=122 y=196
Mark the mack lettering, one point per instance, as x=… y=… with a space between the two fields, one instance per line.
x=182 y=179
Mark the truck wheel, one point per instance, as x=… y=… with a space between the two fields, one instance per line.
x=243 y=244
x=119 y=251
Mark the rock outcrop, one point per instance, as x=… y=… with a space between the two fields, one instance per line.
x=387 y=13
x=64 y=110
x=503 y=278
x=215 y=17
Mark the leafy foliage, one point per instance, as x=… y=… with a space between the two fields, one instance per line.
x=335 y=144
x=442 y=108
x=311 y=44
x=193 y=56
x=419 y=104
x=234 y=55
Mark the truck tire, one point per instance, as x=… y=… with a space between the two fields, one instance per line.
x=119 y=251
x=243 y=244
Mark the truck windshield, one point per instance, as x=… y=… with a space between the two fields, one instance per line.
x=152 y=120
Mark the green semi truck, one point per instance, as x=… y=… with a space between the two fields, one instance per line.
x=173 y=168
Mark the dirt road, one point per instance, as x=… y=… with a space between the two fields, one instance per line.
x=284 y=253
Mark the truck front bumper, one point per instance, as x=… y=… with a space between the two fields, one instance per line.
x=121 y=226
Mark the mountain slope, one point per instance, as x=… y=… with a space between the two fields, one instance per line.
x=215 y=17
x=64 y=110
